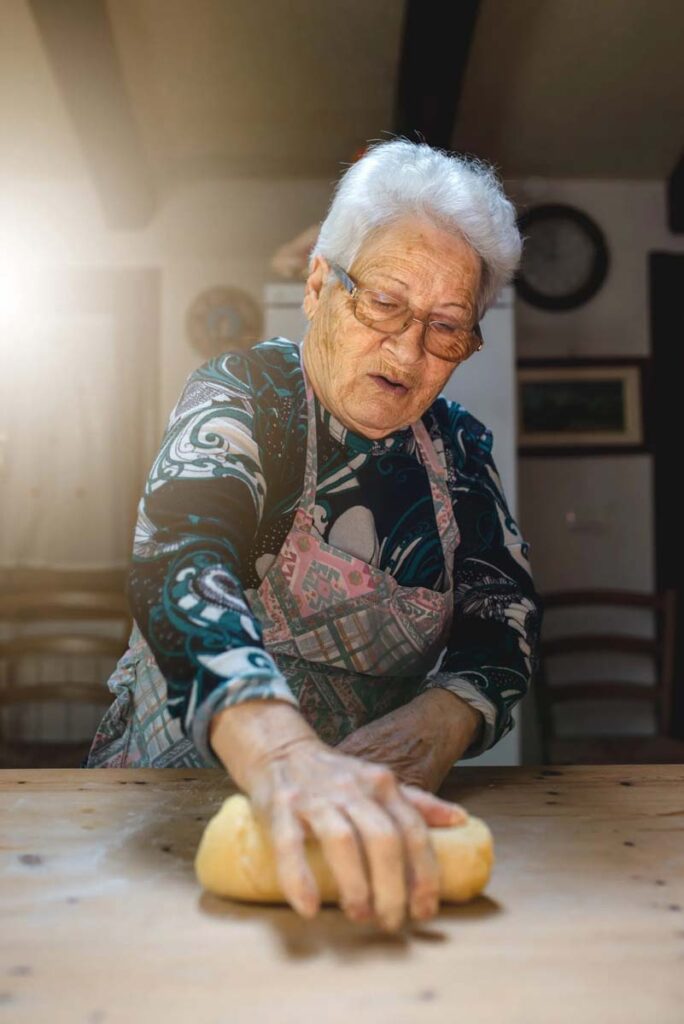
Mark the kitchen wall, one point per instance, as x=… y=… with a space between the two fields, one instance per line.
x=590 y=519
x=215 y=232
x=224 y=232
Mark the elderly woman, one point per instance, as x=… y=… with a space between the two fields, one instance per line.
x=319 y=528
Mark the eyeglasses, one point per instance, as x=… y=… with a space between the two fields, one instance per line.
x=445 y=339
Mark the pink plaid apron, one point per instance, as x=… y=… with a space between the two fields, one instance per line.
x=352 y=643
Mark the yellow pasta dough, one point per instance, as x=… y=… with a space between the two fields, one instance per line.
x=235 y=858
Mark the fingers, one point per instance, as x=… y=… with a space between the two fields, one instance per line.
x=343 y=852
x=435 y=812
x=294 y=874
x=384 y=852
x=379 y=850
x=421 y=859
x=373 y=832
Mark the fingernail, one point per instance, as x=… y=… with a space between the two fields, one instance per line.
x=306 y=908
x=357 y=913
x=427 y=909
x=392 y=924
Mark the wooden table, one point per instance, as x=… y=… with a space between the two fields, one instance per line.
x=582 y=921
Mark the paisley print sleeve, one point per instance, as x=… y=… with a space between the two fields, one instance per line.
x=492 y=650
x=202 y=504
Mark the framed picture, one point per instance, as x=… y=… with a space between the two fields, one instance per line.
x=582 y=406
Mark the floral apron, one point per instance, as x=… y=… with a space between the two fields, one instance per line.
x=352 y=643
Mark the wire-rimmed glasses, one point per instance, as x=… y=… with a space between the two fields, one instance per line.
x=446 y=339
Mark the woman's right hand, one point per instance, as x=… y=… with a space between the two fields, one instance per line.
x=373 y=831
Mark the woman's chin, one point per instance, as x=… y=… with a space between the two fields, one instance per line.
x=375 y=423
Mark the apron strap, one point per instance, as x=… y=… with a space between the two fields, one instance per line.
x=437 y=477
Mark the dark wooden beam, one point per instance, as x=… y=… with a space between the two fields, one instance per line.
x=78 y=39
x=434 y=53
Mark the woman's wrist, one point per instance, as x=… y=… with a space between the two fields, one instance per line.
x=247 y=735
x=462 y=723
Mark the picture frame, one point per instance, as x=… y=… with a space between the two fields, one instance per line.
x=583 y=406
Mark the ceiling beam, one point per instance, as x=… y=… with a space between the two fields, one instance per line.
x=434 y=53
x=78 y=39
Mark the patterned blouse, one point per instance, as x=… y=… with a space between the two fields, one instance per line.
x=220 y=499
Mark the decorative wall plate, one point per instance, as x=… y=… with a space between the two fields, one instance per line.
x=221 y=319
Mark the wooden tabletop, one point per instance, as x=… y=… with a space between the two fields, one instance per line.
x=102 y=921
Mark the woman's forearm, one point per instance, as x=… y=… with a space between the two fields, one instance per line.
x=450 y=725
x=419 y=741
x=245 y=734
x=463 y=724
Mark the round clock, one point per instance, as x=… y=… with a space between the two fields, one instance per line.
x=565 y=257
x=221 y=319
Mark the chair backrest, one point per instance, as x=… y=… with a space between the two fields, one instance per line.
x=43 y=623
x=60 y=605
x=660 y=649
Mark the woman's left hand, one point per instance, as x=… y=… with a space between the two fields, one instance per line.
x=419 y=741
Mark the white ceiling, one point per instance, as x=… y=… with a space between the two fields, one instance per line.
x=257 y=87
x=278 y=88
x=577 y=88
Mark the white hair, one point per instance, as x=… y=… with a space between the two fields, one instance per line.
x=461 y=194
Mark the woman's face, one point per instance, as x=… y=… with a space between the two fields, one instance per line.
x=436 y=274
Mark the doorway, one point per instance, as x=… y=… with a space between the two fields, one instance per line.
x=666 y=287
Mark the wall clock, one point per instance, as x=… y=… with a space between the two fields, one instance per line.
x=565 y=257
x=222 y=319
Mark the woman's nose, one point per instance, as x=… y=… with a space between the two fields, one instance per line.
x=407 y=345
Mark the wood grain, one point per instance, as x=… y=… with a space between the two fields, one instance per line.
x=582 y=920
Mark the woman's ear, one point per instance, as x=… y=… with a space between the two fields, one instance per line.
x=314 y=284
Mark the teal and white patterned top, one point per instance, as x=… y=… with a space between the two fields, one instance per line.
x=220 y=499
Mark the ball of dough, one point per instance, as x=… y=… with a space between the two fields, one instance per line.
x=235 y=858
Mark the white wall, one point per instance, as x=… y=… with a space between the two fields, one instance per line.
x=590 y=519
x=216 y=232
x=632 y=215
x=224 y=232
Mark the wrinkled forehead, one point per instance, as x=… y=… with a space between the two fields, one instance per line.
x=416 y=255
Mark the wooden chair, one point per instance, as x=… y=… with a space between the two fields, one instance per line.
x=29 y=617
x=660 y=748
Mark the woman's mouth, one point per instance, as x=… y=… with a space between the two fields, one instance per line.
x=387 y=384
